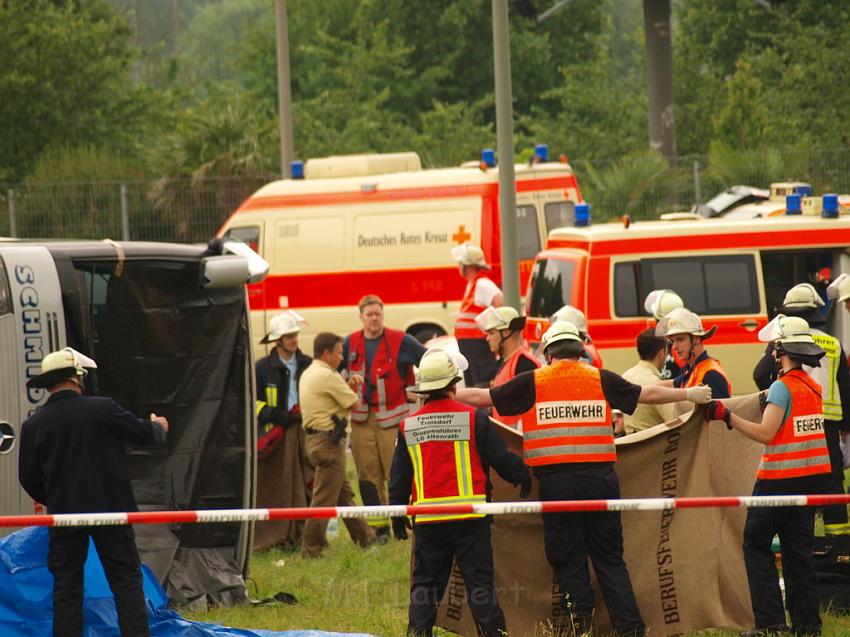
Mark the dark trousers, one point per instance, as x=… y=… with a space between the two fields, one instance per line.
x=795 y=527
x=116 y=547
x=570 y=538
x=482 y=362
x=435 y=544
x=837 y=513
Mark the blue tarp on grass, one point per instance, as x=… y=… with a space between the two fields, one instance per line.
x=26 y=590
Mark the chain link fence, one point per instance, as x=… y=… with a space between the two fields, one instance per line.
x=190 y=211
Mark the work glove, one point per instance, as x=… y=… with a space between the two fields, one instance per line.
x=715 y=410
x=525 y=487
x=400 y=526
x=700 y=394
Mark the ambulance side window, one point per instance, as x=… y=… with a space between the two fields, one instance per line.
x=559 y=214
x=5 y=294
x=528 y=236
x=249 y=235
x=551 y=286
x=626 y=279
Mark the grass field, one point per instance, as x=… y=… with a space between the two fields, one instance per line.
x=356 y=590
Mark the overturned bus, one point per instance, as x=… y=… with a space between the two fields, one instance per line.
x=168 y=326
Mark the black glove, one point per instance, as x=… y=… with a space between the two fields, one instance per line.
x=400 y=526
x=525 y=487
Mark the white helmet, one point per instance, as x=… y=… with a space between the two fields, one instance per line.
x=682 y=321
x=793 y=335
x=468 y=254
x=287 y=323
x=659 y=303
x=65 y=364
x=839 y=289
x=802 y=296
x=499 y=318
x=561 y=331
x=571 y=314
x=438 y=369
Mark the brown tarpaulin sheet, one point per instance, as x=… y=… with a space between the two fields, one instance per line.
x=282 y=482
x=686 y=565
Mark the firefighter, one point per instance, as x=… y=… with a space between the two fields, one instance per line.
x=832 y=375
x=568 y=442
x=795 y=461
x=687 y=338
x=577 y=318
x=441 y=456
x=658 y=304
x=503 y=327
x=480 y=294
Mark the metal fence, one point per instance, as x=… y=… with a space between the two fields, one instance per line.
x=190 y=211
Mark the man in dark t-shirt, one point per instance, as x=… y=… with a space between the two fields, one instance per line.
x=569 y=443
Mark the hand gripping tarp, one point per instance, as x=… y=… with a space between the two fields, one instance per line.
x=26 y=588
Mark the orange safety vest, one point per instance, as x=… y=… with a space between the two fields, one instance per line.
x=702 y=368
x=389 y=398
x=447 y=469
x=799 y=447
x=571 y=420
x=505 y=373
x=465 y=325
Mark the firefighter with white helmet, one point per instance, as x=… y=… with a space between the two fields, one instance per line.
x=795 y=461
x=569 y=443
x=687 y=338
x=73 y=460
x=658 y=304
x=833 y=376
x=452 y=445
x=576 y=317
x=480 y=293
x=280 y=483
x=503 y=327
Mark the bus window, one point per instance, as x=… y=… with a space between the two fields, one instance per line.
x=551 y=286
x=559 y=214
x=528 y=235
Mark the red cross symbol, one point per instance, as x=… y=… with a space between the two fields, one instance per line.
x=461 y=236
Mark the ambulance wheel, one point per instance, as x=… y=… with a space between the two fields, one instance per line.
x=426 y=333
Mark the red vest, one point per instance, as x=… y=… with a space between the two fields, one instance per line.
x=702 y=368
x=799 y=447
x=465 y=326
x=571 y=420
x=388 y=399
x=447 y=469
x=505 y=373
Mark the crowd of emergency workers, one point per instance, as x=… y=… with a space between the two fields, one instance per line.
x=428 y=437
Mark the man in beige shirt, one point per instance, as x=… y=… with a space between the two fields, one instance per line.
x=324 y=395
x=652 y=350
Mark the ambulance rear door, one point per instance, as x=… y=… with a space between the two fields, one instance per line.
x=31 y=326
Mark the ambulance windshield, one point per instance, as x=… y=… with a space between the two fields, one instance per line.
x=551 y=286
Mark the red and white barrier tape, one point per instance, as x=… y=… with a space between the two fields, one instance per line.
x=490 y=508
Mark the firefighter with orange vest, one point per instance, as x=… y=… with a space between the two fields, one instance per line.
x=384 y=358
x=442 y=456
x=795 y=461
x=576 y=317
x=503 y=327
x=569 y=443
x=687 y=338
x=480 y=293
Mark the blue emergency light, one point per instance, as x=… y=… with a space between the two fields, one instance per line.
x=582 y=215
x=488 y=156
x=830 y=206
x=792 y=205
x=297 y=168
x=804 y=191
x=541 y=151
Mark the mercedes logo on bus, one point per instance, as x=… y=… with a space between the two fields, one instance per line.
x=7 y=438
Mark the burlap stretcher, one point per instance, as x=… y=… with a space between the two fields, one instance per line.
x=686 y=565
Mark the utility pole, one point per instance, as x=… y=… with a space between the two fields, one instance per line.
x=505 y=149
x=659 y=77
x=284 y=91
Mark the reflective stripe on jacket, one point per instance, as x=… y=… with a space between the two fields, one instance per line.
x=505 y=373
x=465 y=325
x=388 y=399
x=447 y=469
x=799 y=447
x=571 y=420
x=827 y=374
